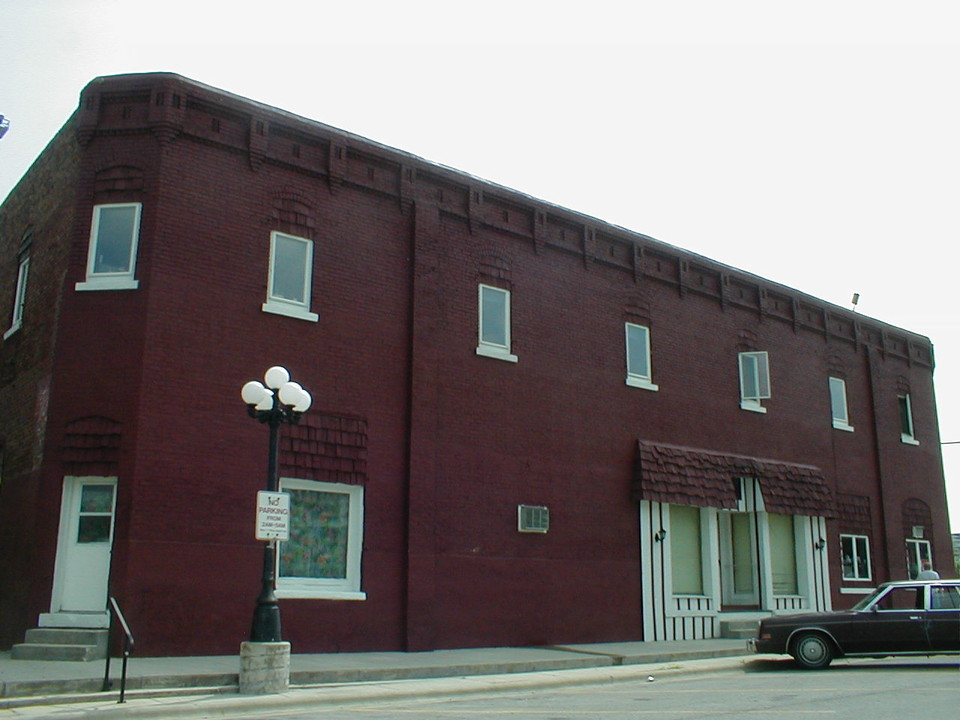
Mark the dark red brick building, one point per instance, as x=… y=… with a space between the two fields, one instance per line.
x=528 y=426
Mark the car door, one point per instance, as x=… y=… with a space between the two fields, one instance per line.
x=895 y=623
x=944 y=618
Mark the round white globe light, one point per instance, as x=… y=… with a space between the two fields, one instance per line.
x=290 y=393
x=305 y=401
x=252 y=392
x=267 y=402
x=276 y=376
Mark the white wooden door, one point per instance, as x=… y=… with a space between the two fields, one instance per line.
x=86 y=538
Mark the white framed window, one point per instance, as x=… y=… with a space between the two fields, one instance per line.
x=754 y=380
x=112 y=254
x=838 y=405
x=855 y=557
x=906 y=421
x=494 y=323
x=637 y=343
x=322 y=557
x=20 y=297
x=686 y=550
x=918 y=553
x=783 y=554
x=290 y=277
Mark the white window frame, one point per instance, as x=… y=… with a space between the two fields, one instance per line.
x=755 y=389
x=905 y=411
x=918 y=551
x=839 y=410
x=279 y=305
x=347 y=588
x=855 y=541
x=488 y=348
x=637 y=379
x=20 y=297
x=113 y=280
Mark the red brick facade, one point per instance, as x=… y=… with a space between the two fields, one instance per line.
x=143 y=385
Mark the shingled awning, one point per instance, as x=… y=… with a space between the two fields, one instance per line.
x=691 y=476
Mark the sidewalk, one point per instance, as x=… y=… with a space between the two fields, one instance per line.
x=25 y=683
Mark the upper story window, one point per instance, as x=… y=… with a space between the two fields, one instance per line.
x=838 y=404
x=855 y=557
x=322 y=557
x=20 y=297
x=291 y=277
x=638 y=357
x=754 y=380
x=906 y=421
x=494 y=323
x=112 y=255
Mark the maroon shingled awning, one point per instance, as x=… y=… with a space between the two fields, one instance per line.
x=691 y=476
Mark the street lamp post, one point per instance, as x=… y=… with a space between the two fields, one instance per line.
x=274 y=402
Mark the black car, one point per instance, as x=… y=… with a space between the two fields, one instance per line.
x=920 y=617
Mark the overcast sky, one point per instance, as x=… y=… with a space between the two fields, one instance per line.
x=816 y=144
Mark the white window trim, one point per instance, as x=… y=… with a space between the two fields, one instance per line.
x=285 y=306
x=752 y=402
x=488 y=349
x=19 y=298
x=839 y=385
x=909 y=438
x=116 y=280
x=915 y=544
x=869 y=577
x=638 y=380
x=329 y=589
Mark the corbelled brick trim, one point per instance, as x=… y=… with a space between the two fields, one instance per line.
x=691 y=476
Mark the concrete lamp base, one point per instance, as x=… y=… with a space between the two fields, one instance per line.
x=264 y=668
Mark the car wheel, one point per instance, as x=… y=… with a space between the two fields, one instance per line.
x=812 y=651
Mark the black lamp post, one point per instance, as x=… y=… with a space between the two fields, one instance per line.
x=274 y=402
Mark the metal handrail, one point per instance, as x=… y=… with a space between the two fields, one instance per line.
x=128 y=644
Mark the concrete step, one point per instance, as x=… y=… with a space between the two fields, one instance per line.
x=75 y=644
x=53 y=651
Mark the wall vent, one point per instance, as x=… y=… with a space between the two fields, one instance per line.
x=533 y=518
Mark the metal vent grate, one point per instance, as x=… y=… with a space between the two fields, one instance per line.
x=533 y=518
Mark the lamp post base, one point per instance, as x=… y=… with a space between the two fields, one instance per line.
x=264 y=668
x=266 y=623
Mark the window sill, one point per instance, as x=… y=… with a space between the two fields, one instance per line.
x=908 y=439
x=641 y=383
x=752 y=406
x=12 y=330
x=497 y=353
x=857 y=591
x=96 y=283
x=294 y=311
x=840 y=425
x=318 y=594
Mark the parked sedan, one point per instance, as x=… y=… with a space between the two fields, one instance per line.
x=898 y=618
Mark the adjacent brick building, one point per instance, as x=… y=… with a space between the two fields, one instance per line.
x=528 y=426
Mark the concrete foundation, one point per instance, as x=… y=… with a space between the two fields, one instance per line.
x=264 y=668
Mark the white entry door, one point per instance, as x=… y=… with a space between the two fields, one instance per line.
x=85 y=543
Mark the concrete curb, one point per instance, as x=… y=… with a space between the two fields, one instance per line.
x=229 y=703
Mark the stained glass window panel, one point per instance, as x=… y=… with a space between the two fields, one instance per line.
x=319 y=533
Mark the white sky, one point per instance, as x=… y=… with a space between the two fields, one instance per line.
x=816 y=143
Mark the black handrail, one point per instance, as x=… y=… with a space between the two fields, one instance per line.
x=128 y=643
